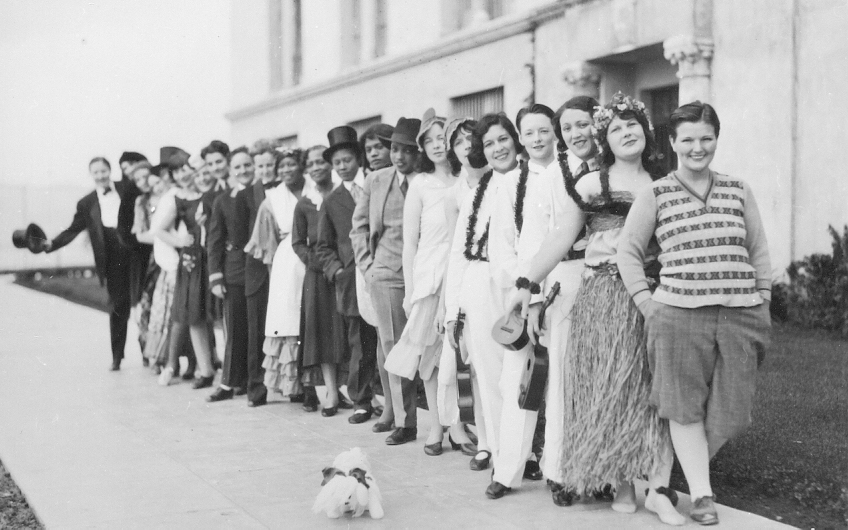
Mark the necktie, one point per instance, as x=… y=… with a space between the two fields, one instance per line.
x=355 y=192
x=584 y=168
x=404 y=186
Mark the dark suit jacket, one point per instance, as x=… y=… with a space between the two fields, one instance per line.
x=247 y=206
x=334 y=249
x=226 y=258
x=87 y=217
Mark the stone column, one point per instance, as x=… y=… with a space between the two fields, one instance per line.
x=582 y=79
x=693 y=56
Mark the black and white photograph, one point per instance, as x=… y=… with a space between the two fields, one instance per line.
x=417 y=264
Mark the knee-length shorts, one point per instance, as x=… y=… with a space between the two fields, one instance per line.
x=704 y=363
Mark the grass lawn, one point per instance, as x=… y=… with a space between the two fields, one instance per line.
x=791 y=465
x=14 y=510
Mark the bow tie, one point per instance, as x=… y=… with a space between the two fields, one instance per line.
x=107 y=191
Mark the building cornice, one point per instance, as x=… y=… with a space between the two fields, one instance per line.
x=498 y=29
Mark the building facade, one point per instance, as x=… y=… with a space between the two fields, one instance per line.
x=770 y=67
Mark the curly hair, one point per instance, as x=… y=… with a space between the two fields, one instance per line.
x=476 y=157
x=467 y=127
x=650 y=156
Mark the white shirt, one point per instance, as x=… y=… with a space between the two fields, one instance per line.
x=359 y=180
x=110 y=203
x=511 y=252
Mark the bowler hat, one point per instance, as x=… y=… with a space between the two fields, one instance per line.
x=405 y=132
x=343 y=137
x=32 y=238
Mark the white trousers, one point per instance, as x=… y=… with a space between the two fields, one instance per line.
x=558 y=322
x=517 y=425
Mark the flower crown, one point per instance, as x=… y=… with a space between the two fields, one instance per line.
x=619 y=103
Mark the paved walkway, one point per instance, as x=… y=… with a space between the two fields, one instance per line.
x=96 y=449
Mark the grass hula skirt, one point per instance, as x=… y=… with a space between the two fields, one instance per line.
x=610 y=430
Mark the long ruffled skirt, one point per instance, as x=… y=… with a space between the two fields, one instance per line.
x=280 y=365
x=610 y=430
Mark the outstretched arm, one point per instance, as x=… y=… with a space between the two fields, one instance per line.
x=68 y=235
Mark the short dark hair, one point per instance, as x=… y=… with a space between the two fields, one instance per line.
x=476 y=157
x=693 y=113
x=132 y=157
x=100 y=159
x=535 y=108
x=467 y=126
x=234 y=152
x=584 y=103
x=372 y=133
x=216 y=146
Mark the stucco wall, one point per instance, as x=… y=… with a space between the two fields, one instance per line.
x=406 y=93
x=822 y=183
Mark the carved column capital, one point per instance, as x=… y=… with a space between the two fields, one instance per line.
x=691 y=55
x=583 y=78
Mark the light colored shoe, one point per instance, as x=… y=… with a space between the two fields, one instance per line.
x=165 y=376
x=704 y=511
x=661 y=502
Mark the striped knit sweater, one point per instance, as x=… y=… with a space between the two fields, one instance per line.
x=713 y=248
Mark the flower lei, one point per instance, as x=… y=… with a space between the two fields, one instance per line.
x=520 y=192
x=472 y=222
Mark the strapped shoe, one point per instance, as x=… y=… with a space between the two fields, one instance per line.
x=360 y=416
x=383 y=426
x=704 y=511
x=479 y=464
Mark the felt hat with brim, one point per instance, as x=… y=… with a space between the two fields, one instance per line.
x=452 y=126
x=343 y=137
x=32 y=238
x=170 y=158
x=405 y=132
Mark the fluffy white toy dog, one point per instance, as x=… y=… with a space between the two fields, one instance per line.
x=349 y=487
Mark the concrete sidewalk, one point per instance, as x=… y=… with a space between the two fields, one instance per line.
x=96 y=449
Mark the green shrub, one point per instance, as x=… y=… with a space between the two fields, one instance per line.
x=817 y=294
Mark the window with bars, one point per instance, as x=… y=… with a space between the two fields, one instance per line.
x=288 y=142
x=362 y=125
x=478 y=103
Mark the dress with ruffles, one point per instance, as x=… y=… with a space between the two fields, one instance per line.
x=271 y=242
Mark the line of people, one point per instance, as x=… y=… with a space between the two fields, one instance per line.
x=353 y=266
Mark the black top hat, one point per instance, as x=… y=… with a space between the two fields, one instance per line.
x=405 y=132
x=32 y=238
x=343 y=137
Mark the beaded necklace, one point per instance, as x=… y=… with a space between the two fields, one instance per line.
x=520 y=191
x=472 y=222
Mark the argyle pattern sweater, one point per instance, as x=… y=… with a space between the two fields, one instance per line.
x=713 y=248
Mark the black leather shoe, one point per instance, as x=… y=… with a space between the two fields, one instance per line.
x=203 y=382
x=220 y=394
x=258 y=402
x=360 y=416
x=310 y=404
x=188 y=375
x=297 y=398
x=466 y=448
x=402 y=435
x=116 y=365
x=383 y=426
x=532 y=470
x=433 y=449
x=479 y=464
x=496 y=490
x=329 y=411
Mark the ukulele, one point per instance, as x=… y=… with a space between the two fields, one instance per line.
x=465 y=396
x=531 y=390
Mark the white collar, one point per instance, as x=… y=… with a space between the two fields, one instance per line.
x=574 y=162
x=101 y=192
x=359 y=180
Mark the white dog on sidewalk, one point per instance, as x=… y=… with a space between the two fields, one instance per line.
x=349 y=487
